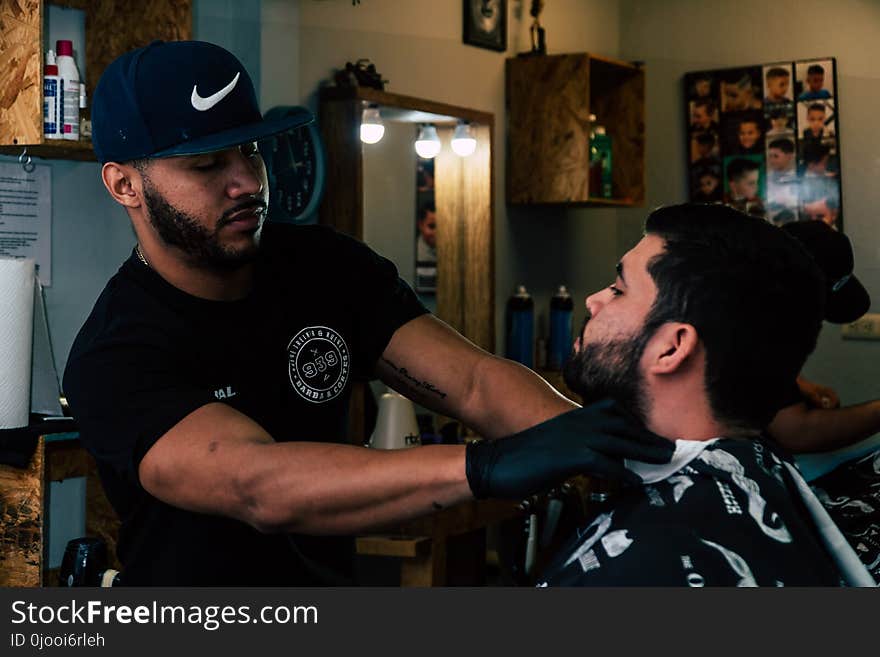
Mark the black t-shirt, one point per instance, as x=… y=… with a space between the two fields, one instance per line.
x=323 y=309
x=730 y=516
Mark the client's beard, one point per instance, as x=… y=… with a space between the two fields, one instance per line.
x=610 y=369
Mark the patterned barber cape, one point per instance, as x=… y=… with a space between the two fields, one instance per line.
x=851 y=494
x=725 y=512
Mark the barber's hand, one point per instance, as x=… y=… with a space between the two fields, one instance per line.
x=817 y=395
x=592 y=440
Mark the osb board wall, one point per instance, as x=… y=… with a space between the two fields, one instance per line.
x=465 y=254
x=548 y=128
x=21 y=522
x=21 y=94
x=117 y=26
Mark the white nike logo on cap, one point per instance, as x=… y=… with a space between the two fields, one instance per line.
x=203 y=104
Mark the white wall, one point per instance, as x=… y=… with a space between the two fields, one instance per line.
x=417 y=46
x=676 y=36
x=290 y=47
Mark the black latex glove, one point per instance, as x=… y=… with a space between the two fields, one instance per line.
x=592 y=440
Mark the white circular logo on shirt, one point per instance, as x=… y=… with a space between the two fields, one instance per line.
x=318 y=364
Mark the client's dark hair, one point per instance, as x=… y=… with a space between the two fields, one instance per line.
x=754 y=295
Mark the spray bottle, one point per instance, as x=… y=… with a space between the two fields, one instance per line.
x=70 y=84
x=521 y=327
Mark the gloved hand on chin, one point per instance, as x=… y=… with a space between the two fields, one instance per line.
x=592 y=440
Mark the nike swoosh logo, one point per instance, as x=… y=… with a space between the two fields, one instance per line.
x=204 y=104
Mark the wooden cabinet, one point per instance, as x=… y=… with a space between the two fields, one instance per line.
x=549 y=102
x=111 y=28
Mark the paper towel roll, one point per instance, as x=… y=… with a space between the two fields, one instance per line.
x=16 y=336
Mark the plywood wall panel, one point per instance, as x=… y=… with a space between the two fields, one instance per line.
x=21 y=522
x=117 y=26
x=21 y=93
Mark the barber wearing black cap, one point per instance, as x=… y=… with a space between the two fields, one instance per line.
x=808 y=420
x=211 y=380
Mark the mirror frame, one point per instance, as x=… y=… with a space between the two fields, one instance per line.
x=465 y=199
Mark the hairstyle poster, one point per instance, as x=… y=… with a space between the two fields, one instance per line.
x=764 y=139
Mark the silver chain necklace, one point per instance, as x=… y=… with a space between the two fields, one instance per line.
x=137 y=250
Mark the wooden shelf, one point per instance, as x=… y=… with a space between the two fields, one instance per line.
x=593 y=202
x=59 y=149
x=620 y=202
x=549 y=102
x=110 y=31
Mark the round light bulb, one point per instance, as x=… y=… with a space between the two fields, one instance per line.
x=372 y=129
x=463 y=141
x=428 y=142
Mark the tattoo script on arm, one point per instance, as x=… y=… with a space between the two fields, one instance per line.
x=415 y=383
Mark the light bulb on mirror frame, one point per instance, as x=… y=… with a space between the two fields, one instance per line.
x=372 y=128
x=463 y=141
x=428 y=142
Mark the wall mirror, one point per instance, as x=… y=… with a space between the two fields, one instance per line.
x=375 y=192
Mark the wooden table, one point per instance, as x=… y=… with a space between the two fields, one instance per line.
x=446 y=548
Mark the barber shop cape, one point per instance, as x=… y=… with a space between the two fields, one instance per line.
x=725 y=512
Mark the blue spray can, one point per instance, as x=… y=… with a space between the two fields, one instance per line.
x=521 y=327
x=561 y=311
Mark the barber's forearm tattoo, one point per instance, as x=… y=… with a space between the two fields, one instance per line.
x=414 y=382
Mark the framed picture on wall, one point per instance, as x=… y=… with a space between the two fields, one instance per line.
x=765 y=139
x=485 y=23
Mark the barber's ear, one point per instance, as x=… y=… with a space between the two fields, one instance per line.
x=671 y=348
x=123 y=182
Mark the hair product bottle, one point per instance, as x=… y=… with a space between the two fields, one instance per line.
x=52 y=98
x=521 y=327
x=70 y=85
x=561 y=310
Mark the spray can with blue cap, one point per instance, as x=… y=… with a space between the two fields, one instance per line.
x=561 y=310
x=521 y=327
